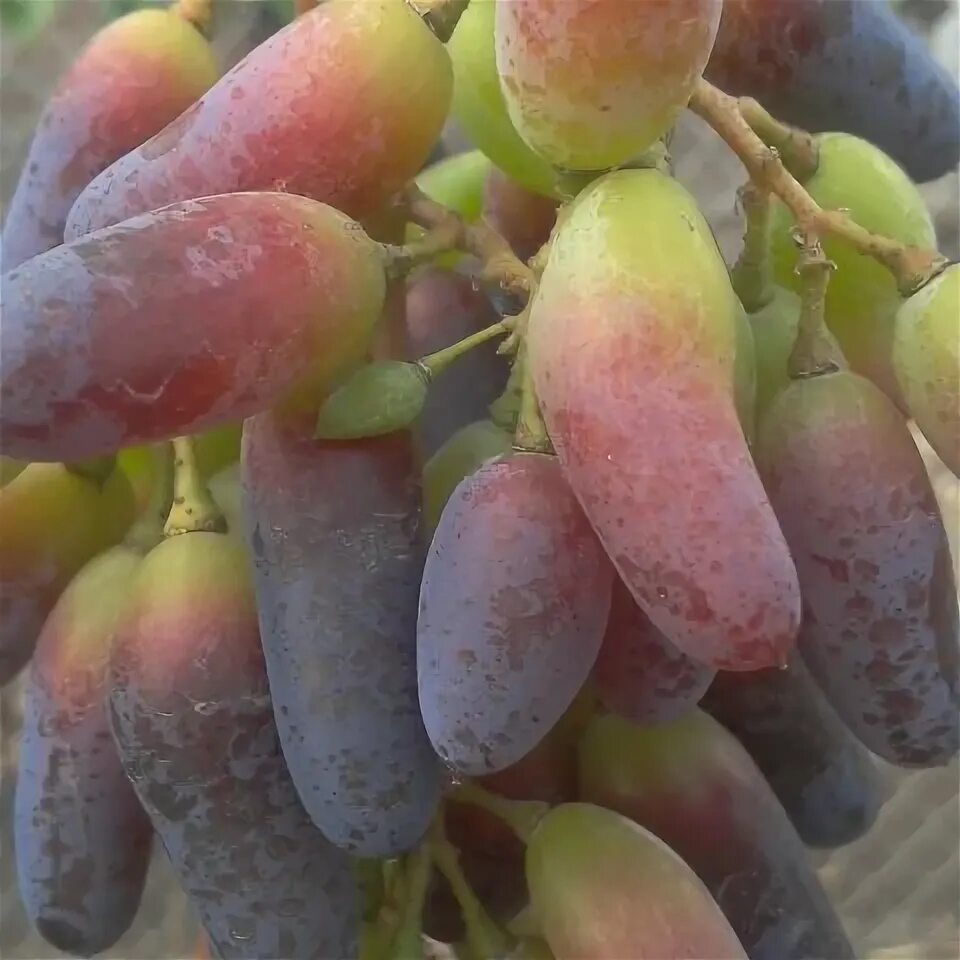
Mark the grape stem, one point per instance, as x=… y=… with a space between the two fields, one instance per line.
x=147 y=530
x=798 y=149
x=97 y=469
x=301 y=7
x=407 y=937
x=912 y=267
x=194 y=509
x=441 y=16
x=531 y=432
x=752 y=275
x=485 y=939
x=498 y=262
x=437 y=362
x=521 y=816
x=814 y=352
x=197 y=12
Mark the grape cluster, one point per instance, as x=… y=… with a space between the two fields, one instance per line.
x=468 y=552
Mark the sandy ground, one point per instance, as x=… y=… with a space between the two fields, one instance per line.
x=897 y=890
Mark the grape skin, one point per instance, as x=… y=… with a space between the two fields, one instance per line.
x=190 y=711
x=135 y=76
x=696 y=788
x=640 y=675
x=880 y=603
x=513 y=607
x=333 y=529
x=180 y=320
x=82 y=838
x=826 y=65
x=823 y=776
x=343 y=105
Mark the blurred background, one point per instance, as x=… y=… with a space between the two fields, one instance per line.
x=897 y=889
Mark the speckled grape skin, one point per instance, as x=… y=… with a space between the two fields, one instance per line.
x=443 y=307
x=880 y=602
x=134 y=77
x=179 y=320
x=333 y=529
x=51 y=523
x=603 y=887
x=826 y=64
x=513 y=606
x=190 y=711
x=640 y=675
x=697 y=789
x=823 y=776
x=82 y=838
x=343 y=105
x=591 y=83
x=926 y=360
x=632 y=338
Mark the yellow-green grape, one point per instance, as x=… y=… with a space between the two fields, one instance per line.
x=478 y=103
x=457 y=182
x=862 y=298
x=926 y=357
x=460 y=456
x=591 y=85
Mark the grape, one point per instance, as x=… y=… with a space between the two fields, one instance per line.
x=827 y=64
x=457 y=182
x=926 y=358
x=190 y=712
x=523 y=218
x=591 y=85
x=824 y=778
x=442 y=308
x=51 y=523
x=333 y=530
x=135 y=76
x=603 y=887
x=696 y=788
x=880 y=602
x=82 y=840
x=513 y=606
x=343 y=105
x=632 y=339
x=460 y=456
x=182 y=319
x=639 y=673
x=862 y=297
x=478 y=104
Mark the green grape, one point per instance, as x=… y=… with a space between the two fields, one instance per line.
x=478 y=103
x=862 y=298
x=926 y=357
x=457 y=182
x=377 y=399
